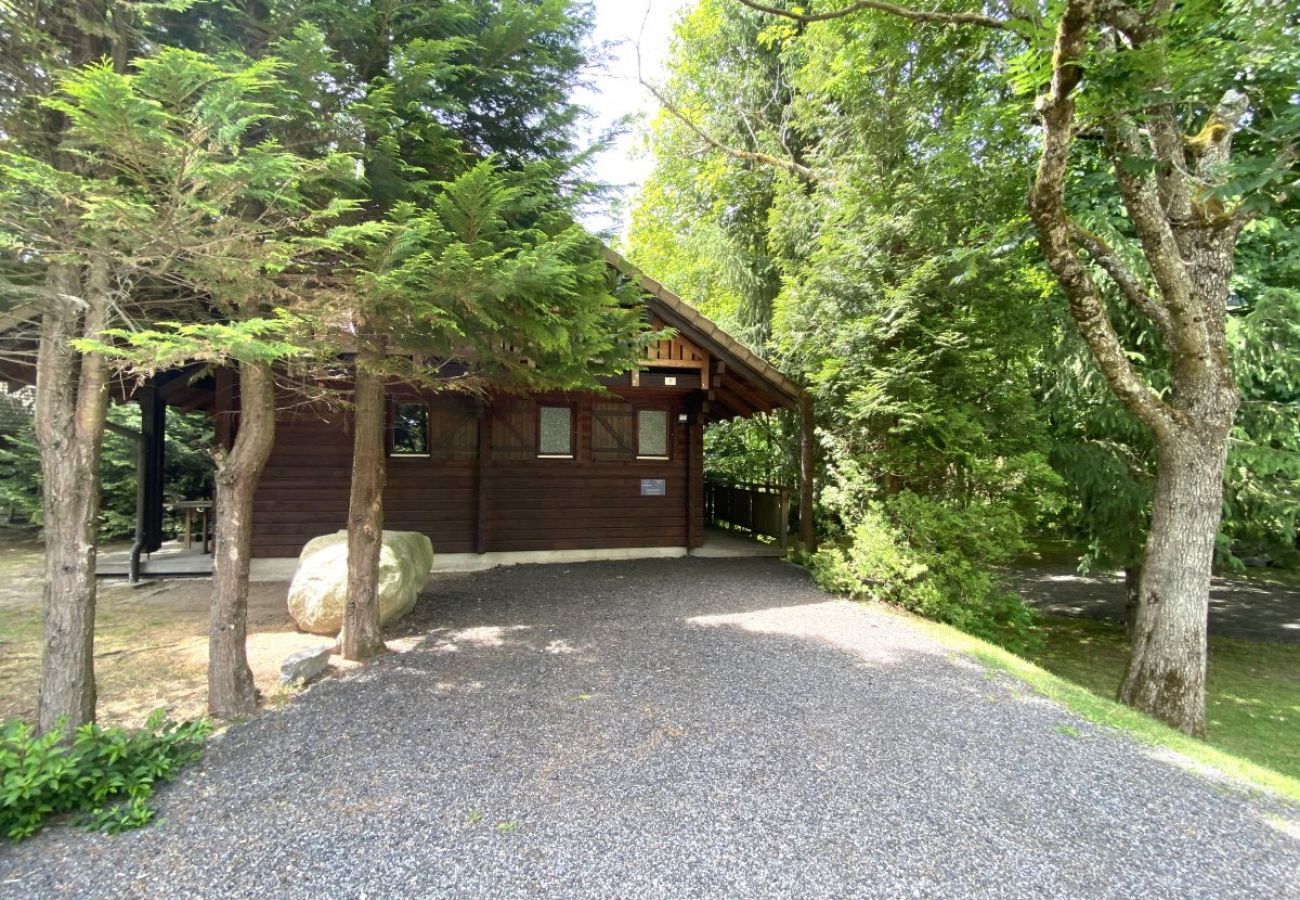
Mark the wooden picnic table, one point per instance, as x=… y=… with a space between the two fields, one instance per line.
x=190 y=507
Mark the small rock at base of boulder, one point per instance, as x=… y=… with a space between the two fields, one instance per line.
x=305 y=664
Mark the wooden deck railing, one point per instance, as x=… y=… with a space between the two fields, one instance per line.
x=756 y=508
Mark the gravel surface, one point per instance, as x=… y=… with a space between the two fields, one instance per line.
x=675 y=728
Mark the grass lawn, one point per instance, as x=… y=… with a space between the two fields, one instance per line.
x=1253 y=701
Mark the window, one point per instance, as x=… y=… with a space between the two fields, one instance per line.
x=410 y=429
x=555 y=431
x=652 y=433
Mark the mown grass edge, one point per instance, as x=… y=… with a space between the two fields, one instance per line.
x=1109 y=713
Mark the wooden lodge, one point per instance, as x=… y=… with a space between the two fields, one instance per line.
x=506 y=478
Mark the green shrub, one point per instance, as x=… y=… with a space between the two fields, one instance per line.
x=924 y=564
x=103 y=776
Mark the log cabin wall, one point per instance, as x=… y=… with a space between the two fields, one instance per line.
x=480 y=488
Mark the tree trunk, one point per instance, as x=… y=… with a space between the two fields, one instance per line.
x=1166 y=671
x=231 y=691
x=71 y=400
x=360 y=637
x=807 y=436
x=1132 y=591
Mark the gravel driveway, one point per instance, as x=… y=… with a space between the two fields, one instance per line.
x=675 y=728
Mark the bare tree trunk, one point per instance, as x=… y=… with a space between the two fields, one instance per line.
x=1166 y=670
x=1132 y=590
x=71 y=399
x=231 y=691
x=807 y=436
x=360 y=637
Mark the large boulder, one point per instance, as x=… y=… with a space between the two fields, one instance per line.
x=320 y=585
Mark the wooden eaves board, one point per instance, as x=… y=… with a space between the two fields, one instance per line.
x=698 y=329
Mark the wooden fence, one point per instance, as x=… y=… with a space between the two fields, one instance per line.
x=755 y=508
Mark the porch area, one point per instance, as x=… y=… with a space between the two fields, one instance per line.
x=744 y=519
x=171 y=560
x=724 y=543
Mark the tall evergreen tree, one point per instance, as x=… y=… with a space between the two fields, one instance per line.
x=59 y=264
x=902 y=300
x=461 y=119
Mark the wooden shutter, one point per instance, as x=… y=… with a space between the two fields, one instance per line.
x=453 y=428
x=612 y=435
x=514 y=429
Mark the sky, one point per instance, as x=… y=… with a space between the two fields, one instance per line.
x=615 y=91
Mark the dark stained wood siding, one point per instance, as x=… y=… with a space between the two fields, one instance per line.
x=530 y=504
x=304 y=488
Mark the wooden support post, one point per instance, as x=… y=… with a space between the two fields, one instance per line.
x=783 y=521
x=481 y=497
x=694 y=475
x=807 y=535
x=153 y=437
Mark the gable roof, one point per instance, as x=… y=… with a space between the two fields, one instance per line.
x=744 y=374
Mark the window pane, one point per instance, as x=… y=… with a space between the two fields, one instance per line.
x=652 y=432
x=555 y=431
x=410 y=428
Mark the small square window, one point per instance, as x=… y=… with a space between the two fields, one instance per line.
x=410 y=429
x=555 y=431
x=652 y=433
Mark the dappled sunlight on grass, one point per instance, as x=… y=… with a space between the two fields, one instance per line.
x=1090 y=698
x=1253 y=696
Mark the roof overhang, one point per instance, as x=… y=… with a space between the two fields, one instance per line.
x=742 y=381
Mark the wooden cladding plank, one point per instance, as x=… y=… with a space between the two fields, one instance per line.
x=588 y=543
x=487 y=503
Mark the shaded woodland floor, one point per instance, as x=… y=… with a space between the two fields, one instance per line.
x=151 y=642
x=1254 y=608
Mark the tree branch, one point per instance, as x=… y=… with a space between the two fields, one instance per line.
x=1171 y=170
x=1047 y=208
x=1124 y=18
x=1132 y=289
x=1141 y=195
x=766 y=159
x=915 y=15
x=1213 y=146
